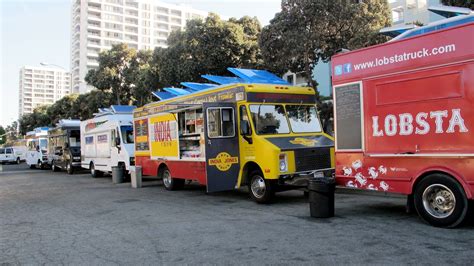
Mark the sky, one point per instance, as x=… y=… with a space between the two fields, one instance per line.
x=35 y=31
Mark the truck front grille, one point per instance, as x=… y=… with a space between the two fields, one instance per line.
x=312 y=159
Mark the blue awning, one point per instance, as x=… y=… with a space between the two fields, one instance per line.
x=122 y=108
x=176 y=91
x=257 y=76
x=223 y=80
x=163 y=95
x=198 y=86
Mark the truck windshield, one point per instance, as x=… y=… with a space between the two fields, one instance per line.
x=127 y=134
x=303 y=118
x=269 y=119
x=75 y=138
x=43 y=144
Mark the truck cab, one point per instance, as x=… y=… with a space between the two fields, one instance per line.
x=64 y=146
x=37 y=145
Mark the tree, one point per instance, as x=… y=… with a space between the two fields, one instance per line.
x=459 y=3
x=87 y=104
x=208 y=46
x=144 y=76
x=61 y=109
x=111 y=75
x=38 y=118
x=3 y=136
x=306 y=31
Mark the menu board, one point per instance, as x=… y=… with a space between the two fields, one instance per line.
x=348 y=117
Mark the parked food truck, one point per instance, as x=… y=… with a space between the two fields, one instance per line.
x=254 y=129
x=404 y=117
x=64 y=146
x=37 y=144
x=107 y=140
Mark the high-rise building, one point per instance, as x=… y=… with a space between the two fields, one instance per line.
x=42 y=86
x=98 y=24
x=410 y=11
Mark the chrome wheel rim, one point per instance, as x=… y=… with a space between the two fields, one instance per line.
x=92 y=170
x=167 y=178
x=439 y=201
x=258 y=187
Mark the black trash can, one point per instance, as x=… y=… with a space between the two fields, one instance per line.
x=117 y=175
x=321 y=197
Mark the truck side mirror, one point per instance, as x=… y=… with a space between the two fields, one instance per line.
x=117 y=141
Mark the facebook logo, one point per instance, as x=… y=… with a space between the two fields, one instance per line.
x=347 y=68
x=338 y=70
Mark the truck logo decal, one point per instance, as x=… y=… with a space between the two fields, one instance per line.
x=406 y=124
x=92 y=125
x=304 y=142
x=162 y=131
x=223 y=161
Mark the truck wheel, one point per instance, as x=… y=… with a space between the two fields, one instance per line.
x=69 y=168
x=441 y=201
x=32 y=166
x=54 y=167
x=18 y=160
x=94 y=173
x=40 y=165
x=169 y=182
x=261 y=190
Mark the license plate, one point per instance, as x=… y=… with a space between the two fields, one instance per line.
x=318 y=175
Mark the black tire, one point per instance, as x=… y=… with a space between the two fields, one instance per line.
x=32 y=166
x=261 y=190
x=18 y=160
x=94 y=173
x=170 y=183
x=69 y=168
x=40 y=165
x=441 y=201
x=54 y=167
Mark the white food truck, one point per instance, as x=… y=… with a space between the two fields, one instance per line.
x=107 y=140
x=37 y=144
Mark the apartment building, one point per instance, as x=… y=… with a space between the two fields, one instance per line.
x=98 y=24
x=409 y=11
x=42 y=86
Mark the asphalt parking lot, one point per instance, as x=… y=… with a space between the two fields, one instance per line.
x=54 y=218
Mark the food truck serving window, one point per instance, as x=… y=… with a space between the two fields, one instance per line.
x=269 y=119
x=348 y=117
x=303 y=118
x=220 y=122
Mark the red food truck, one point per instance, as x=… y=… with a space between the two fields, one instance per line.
x=404 y=119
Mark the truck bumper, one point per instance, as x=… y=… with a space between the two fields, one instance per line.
x=302 y=179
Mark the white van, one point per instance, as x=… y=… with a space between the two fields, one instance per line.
x=37 y=144
x=12 y=154
x=107 y=140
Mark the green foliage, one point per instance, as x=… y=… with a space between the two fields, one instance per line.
x=72 y=106
x=306 y=31
x=113 y=73
x=459 y=3
x=3 y=136
x=125 y=73
x=208 y=47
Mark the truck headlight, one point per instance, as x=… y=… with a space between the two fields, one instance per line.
x=283 y=162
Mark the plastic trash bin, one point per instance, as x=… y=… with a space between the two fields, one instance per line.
x=321 y=197
x=117 y=175
x=136 y=178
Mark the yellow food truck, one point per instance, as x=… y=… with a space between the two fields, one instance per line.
x=254 y=129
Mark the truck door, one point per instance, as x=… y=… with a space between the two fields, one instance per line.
x=222 y=146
